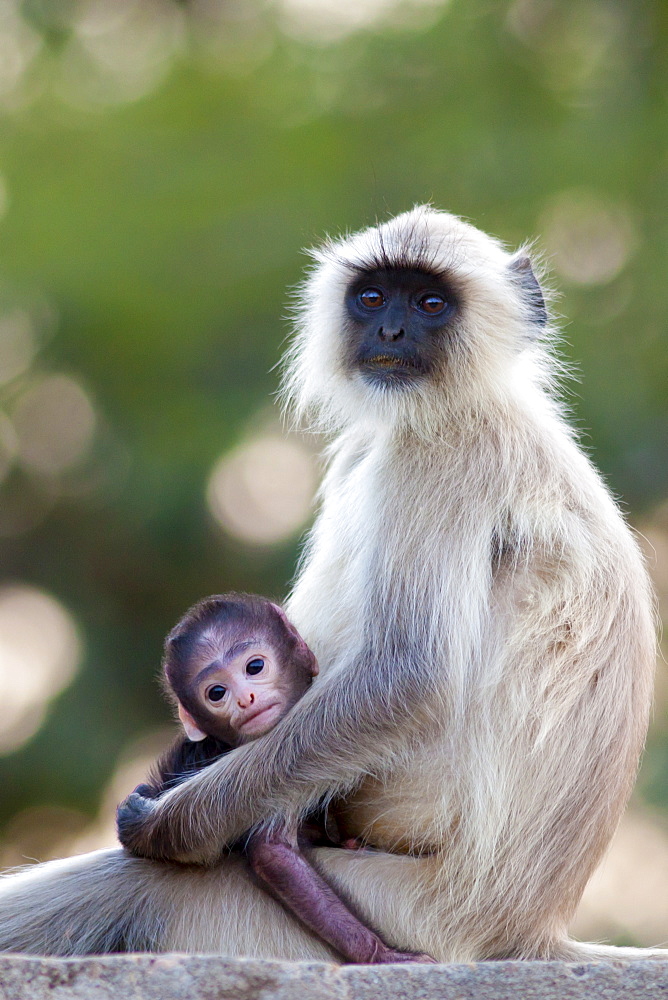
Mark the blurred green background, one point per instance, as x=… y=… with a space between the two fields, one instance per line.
x=161 y=166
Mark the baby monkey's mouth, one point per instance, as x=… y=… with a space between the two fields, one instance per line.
x=259 y=712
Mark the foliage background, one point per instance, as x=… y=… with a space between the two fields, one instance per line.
x=162 y=166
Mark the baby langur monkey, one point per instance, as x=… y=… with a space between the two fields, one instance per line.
x=234 y=665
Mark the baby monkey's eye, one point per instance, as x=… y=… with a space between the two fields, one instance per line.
x=216 y=692
x=255 y=666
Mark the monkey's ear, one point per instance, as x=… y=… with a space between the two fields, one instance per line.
x=301 y=646
x=192 y=731
x=522 y=272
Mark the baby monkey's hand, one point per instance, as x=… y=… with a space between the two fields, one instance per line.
x=131 y=818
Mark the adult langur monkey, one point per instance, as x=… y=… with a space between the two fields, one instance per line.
x=484 y=627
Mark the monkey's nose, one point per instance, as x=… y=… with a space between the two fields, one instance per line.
x=247 y=701
x=390 y=335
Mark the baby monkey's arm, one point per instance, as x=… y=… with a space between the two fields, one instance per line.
x=183 y=759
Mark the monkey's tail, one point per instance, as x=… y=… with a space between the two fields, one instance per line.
x=584 y=951
x=90 y=904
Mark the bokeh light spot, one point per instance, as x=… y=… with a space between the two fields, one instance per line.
x=17 y=344
x=328 y=21
x=590 y=240
x=19 y=45
x=40 y=651
x=628 y=894
x=40 y=833
x=120 y=51
x=55 y=424
x=8 y=446
x=262 y=492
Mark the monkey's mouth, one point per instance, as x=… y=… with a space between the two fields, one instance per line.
x=263 y=716
x=389 y=361
x=390 y=366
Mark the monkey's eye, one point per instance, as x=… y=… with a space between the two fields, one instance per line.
x=371 y=298
x=255 y=666
x=216 y=692
x=431 y=303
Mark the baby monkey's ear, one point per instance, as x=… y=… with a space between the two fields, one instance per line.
x=312 y=662
x=302 y=648
x=193 y=732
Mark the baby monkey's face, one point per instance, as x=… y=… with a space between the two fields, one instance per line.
x=242 y=687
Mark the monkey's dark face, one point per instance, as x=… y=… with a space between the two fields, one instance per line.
x=398 y=324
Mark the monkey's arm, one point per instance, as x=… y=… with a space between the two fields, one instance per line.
x=278 y=862
x=347 y=727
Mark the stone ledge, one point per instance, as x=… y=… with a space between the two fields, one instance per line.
x=197 y=977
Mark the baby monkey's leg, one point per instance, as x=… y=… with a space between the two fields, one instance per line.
x=277 y=860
